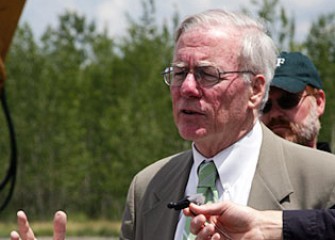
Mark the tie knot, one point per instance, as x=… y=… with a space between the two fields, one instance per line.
x=207 y=174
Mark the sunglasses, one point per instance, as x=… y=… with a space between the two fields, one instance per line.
x=286 y=101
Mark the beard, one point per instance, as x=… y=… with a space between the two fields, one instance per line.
x=307 y=130
x=303 y=133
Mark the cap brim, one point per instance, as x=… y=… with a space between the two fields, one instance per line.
x=288 y=84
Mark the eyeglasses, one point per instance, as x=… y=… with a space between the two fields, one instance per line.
x=286 y=101
x=206 y=76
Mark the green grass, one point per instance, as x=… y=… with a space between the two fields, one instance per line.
x=81 y=228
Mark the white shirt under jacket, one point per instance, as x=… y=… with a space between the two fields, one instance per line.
x=236 y=166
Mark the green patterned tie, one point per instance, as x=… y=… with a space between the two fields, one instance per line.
x=207 y=186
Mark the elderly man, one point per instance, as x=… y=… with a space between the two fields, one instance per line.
x=219 y=78
x=296 y=101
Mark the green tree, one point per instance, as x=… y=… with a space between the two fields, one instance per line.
x=47 y=89
x=25 y=76
x=320 y=46
x=88 y=112
x=281 y=27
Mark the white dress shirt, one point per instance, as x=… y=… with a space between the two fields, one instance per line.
x=236 y=166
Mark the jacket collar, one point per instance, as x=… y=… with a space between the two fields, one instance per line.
x=271 y=185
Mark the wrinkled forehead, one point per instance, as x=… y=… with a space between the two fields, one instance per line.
x=218 y=45
x=212 y=33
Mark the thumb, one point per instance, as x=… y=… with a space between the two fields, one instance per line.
x=60 y=220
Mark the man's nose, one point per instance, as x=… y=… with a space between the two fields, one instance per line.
x=190 y=86
x=276 y=111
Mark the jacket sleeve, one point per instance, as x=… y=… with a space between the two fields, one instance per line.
x=309 y=224
x=128 y=220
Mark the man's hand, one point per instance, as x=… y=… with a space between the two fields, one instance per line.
x=25 y=232
x=226 y=220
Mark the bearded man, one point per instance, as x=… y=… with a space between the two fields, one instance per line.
x=296 y=101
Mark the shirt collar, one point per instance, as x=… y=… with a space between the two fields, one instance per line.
x=232 y=161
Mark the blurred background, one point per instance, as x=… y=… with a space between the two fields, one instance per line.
x=90 y=108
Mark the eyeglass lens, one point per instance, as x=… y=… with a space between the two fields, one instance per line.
x=286 y=101
x=206 y=75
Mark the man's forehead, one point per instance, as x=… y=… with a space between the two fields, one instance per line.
x=209 y=46
x=208 y=35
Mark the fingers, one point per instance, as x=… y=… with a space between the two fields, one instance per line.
x=25 y=230
x=14 y=235
x=204 y=219
x=197 y=224
x=216 y=236
x=187 y=212
x=210 y=231
x=210 y=209
x=207 y=232
x=60 y=220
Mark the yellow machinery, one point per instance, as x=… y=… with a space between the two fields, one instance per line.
x=10 y=12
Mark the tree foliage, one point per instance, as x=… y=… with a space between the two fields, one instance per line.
x=320 y=46
x=281 y=26
x=89 y=113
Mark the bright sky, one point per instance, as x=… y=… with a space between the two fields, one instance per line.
x=111 y=13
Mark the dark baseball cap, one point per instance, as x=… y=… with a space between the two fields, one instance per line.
x=294 y=71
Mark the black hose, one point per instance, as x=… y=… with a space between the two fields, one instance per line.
x=10 y=177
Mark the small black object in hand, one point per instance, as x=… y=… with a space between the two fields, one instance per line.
x=185 y=202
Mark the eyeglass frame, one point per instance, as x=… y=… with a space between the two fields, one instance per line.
x=169 y=70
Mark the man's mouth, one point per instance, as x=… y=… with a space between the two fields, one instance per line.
x=279 y=126
x=189 y=112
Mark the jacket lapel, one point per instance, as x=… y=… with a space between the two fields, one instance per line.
x=159 y=221
x=271 y=185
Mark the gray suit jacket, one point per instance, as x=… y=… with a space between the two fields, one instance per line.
x=288 y=176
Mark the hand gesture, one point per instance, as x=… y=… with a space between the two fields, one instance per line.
x=25 y=232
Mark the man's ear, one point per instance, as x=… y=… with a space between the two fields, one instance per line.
x=257 y=91
x=320 y=101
